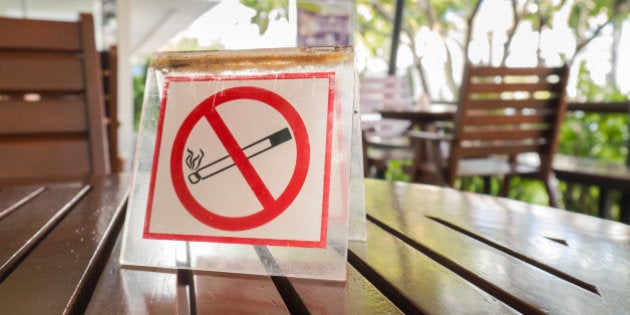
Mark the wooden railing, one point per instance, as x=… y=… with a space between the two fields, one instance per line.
x=606 y=176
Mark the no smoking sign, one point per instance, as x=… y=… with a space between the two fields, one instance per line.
x=243 y=159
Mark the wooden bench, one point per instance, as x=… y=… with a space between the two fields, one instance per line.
x=428 y=250
x=606 y=176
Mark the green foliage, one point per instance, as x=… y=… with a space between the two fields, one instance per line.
x=396 y=170
x=374 y=27
x=587 y=90
x=601 y=136
x=267 y=10
x=583 y=10
x=540 y=13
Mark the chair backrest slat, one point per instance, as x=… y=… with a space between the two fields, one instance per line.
x=489 y=120
x=485 y=149
x=511 y=103
x=40 y=35
x=46 y=116
x=502 y=87
x=41 y=72
x=507 y=135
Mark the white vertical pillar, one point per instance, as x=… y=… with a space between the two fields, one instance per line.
x=125 y=83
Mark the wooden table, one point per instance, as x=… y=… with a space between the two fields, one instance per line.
x=421 y=115
x=428 y=249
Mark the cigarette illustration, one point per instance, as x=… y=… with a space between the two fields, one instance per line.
x=251 y=150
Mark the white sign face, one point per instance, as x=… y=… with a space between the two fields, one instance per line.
x=243 y=159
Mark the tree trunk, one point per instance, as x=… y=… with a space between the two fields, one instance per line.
x=516 y=19
x=614 y=52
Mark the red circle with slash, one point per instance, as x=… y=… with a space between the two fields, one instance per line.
x=271 y=207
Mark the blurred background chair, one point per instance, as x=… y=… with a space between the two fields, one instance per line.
x=109 y=67
x=384 y=140
x=51 y=100
x=504 y=116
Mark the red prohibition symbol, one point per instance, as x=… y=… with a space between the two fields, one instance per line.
x=272 y=207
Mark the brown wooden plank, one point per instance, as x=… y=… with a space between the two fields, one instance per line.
x=481 y=88
x=125 y=290
x=509 y=103
x=498 y=134
x=583 y=258
x=509 y=71
x=67 y=157
x=94 y=96
x=590 y=273
x=59 y=274
x=33 y=72
x=600 y=107
x=12 y=199
x=485 y=119
x=415 y=282
x=478 y=150
x=592 y=172
x=354 y=296
x=56 y=115
x=24 y=228
x=109 y=61
x=221 y=293
x=38 y=34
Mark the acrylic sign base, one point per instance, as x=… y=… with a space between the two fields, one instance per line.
x=248 y=169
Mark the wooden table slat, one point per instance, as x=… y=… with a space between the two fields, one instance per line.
x=222 y=293
x=532 y=236
x=132 y=291
x=14 y=198
x=423 y=284
x=64 y=259
x=355 y=296
x=25 y=226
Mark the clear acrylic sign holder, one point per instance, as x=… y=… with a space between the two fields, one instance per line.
x=248 y=162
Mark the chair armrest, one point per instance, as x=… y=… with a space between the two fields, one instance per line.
x=431 y=136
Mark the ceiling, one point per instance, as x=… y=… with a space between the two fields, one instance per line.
x=152 y=22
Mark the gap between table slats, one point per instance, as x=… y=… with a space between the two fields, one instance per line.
x=487 y=286
x=26 y=248
x=21 y=202
x=551 y=270
x=83 y=293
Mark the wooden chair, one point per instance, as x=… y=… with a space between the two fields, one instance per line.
x=51 y=100
x=384 y=140
x=503 y=113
